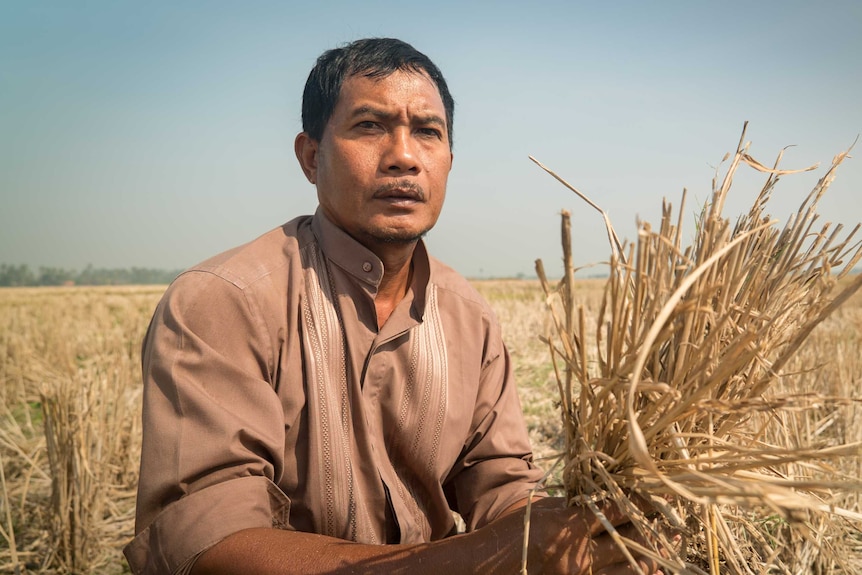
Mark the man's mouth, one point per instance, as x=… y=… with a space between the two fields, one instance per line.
x=400 y=192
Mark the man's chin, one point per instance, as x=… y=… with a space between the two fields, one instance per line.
x=398 y=239
x=395 y=237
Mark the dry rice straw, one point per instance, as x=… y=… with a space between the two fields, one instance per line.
x=682 y=394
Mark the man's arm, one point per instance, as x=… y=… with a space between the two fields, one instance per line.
x=562 y=540
x=213 y=428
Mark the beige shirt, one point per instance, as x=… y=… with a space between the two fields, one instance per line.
x=272 y=400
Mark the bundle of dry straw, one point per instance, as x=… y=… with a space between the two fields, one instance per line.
x=676 y=390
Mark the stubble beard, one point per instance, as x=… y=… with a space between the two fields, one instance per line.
x=394 y=237
x=397 y=237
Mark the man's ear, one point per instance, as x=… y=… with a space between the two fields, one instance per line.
x=306 y=149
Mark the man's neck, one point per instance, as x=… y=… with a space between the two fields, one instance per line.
x=397 y=273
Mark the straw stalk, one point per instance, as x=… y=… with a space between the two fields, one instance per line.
x=685 y=388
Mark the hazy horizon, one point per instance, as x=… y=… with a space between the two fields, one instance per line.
x=157 y=135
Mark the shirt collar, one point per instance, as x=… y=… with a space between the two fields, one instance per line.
x=341 y=249
x=345 y=252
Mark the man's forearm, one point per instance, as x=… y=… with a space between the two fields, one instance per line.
x=562 y=540
x=273 y=551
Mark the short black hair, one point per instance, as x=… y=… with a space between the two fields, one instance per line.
x=372 y=58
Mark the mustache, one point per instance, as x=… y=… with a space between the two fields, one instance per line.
x=402 y=189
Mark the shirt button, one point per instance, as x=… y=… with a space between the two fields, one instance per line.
x=367 y=266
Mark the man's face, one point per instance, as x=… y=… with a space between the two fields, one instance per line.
x=384 y=158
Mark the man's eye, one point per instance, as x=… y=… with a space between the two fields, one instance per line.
x=367 y=125
x=431 y=132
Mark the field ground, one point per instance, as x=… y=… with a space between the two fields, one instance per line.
x=70 y=396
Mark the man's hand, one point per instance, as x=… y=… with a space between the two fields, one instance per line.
x=573 y=540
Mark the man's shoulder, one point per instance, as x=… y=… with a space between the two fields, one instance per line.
x=452 y=282
x=266 y=256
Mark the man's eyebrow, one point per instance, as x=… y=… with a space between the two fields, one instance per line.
x=431 y=119
x=371 y=111
x=383 y=114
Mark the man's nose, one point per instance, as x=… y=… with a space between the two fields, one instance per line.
x=400 y=154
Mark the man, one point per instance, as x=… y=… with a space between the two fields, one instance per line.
x=320 y=399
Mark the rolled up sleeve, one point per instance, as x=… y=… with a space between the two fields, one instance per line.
x=193 y=524
x=497 y=469
x=213 y=426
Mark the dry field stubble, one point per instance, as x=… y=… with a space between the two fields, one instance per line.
x=70 y=392
x=69 y=431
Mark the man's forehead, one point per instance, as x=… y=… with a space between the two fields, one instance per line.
x=400 y=83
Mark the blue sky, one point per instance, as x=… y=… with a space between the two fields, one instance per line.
x=156 y=134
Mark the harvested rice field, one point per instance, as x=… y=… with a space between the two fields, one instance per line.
x=67 y=495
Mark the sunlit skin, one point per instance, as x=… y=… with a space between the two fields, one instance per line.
x=563 y=541
x=381 y=169
x=384 y=159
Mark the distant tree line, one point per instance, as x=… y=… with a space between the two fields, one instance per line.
x=22 y=275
